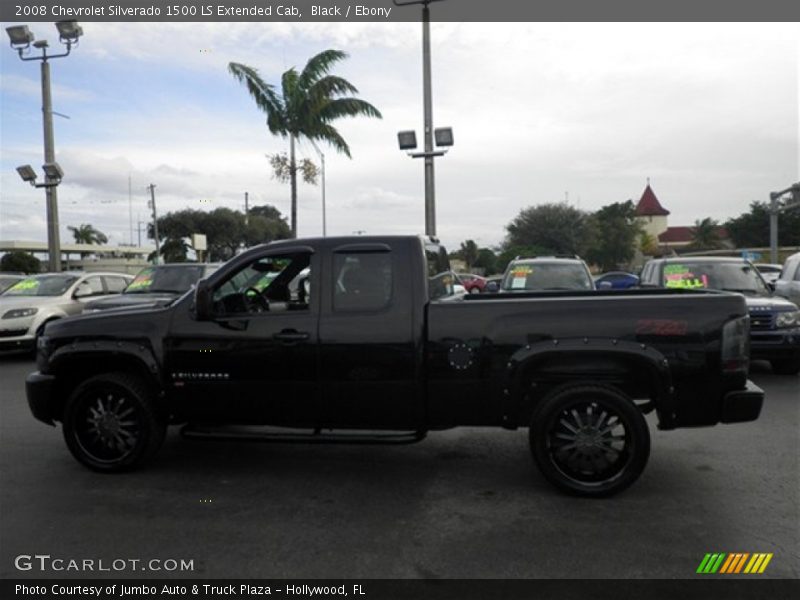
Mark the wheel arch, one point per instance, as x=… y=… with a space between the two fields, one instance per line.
x=638 y=370
x=78 y=362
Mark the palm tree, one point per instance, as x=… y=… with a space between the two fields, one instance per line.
x=309 y=101
x=87 y=234
x=705 y=234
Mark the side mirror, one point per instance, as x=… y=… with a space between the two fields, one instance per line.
x=202 y=301
x=771 y=286
x=492 y=287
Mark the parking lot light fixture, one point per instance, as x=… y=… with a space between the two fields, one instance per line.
x=407 y=140
x=69 y=32
x=20 y=36
x=443 y=136
x=27 y=173
x=53 y=171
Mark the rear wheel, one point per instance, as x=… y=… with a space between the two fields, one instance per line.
x=786 y=367
x=110 y=423
x=589 y=440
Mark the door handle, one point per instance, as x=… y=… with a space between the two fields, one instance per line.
x=291 y=336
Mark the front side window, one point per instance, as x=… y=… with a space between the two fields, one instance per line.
x=273 y=283
x=362 y=281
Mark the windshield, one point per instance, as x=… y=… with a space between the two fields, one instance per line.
x=165 y=279
x=731 y=277
x=546 y=276
x=42 y=285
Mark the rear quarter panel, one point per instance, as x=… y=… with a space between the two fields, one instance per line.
x=472 y=345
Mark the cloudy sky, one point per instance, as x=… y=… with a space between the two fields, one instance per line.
x=541 y=112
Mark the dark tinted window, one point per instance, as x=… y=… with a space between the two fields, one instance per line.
x=362 y=281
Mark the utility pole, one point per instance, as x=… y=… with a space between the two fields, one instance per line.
x=152 y=203
x=246 y=209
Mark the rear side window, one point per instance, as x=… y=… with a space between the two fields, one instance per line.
x=115 y=284
x=362 y=281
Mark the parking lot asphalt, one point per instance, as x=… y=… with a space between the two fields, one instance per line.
x=465 y=503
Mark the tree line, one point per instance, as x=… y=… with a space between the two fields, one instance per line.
x=611 y=236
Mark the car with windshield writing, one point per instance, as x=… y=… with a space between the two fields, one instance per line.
x=546 y=273
x=377 y=345
x=33 y=302
x=156 y=285
x=774 y=321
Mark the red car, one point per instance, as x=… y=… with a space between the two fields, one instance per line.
x=474 y=284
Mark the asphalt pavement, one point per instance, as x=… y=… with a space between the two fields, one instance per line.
x=465 y=503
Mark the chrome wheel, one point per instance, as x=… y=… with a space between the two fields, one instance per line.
x=111 y=423
x=589 y=439
x=589 y=442
x=110 y=428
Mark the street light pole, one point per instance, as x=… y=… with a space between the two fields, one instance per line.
x=430 y=189
x=53 y=237
x=775 y=208
x=21 y=39
x=322 y=175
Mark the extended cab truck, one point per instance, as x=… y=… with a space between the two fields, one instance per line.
x=375 y=343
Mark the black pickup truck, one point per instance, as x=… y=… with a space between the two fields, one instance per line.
x=364 y=339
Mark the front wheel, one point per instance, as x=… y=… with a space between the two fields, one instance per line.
x=786 y=367
x=589 y=440
x=110 y=423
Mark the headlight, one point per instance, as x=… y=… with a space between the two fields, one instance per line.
x=16 y=313
x=790 y=318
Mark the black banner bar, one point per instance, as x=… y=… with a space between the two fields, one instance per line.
x=387 y=11
x=727 y=588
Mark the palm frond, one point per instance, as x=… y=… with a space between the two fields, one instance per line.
x=347 y=107
x=319 y=65
x=262 y=92
x=330 y=135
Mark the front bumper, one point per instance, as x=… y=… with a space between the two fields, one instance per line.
x=17 y=334
x=776 y=344
x=39 y=389
x=744 y=405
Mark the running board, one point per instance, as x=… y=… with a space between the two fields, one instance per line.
x=255 y=433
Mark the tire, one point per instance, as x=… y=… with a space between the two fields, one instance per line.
x=110 y=423
x=589 y=440
x=789 y=366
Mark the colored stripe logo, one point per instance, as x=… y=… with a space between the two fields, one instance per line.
x=734 y=563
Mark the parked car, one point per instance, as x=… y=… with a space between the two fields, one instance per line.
x=616 y=280
x=769 y=272
x=33 y=302
x=9 y=279
x=546 y=273
x=383 y=351
x=473 y=284
x=788 y=284
x=493 y=283
x=156 y=285
x=774 y=321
